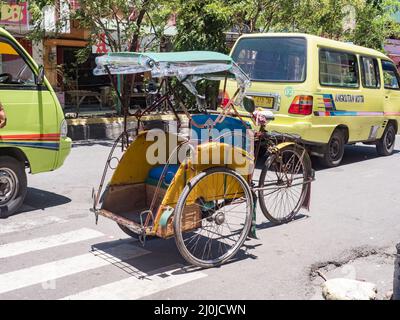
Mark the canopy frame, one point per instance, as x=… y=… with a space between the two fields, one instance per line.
x=198 y=66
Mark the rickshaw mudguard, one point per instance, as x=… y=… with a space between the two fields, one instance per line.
x=165 y=216
x=283 y=145
x=209 y=155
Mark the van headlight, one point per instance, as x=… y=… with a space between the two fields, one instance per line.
x=64 y=129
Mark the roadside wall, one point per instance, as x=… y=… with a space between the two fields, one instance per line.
x=111 y=128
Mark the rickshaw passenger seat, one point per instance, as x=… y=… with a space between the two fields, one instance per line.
x=226 y=131
x=156 y=172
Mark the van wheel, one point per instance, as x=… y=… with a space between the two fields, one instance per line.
x=13 y=185
x=334 y=150
x=385 y=145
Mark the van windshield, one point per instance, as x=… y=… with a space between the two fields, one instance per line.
x=274 y=59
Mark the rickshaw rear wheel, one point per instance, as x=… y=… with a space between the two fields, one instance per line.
x=223 y=203
x=285 y=179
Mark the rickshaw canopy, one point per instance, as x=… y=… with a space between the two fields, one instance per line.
x=187 y=66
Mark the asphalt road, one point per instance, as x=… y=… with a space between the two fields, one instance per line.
x=54 y=250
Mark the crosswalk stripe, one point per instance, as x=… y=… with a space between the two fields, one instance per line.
x=53 y=270
x=133 y=288
x=26 y=224
x=21 y=247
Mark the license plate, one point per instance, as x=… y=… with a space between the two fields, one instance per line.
x=264 y=102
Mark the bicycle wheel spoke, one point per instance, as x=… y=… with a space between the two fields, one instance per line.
x=283 y=185
x=222 y=225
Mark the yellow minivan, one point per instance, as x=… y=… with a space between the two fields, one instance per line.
x=327 y=92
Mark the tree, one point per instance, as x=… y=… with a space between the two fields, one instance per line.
x=364 y=22
x=120 y=24
x=250 y=16
x=375 y=23
x=201 y=25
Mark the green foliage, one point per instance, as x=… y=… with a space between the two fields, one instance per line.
x=201 y=25
x=122 y=22
x=375 y=23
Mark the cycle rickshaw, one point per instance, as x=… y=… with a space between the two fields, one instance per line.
x=202 y=192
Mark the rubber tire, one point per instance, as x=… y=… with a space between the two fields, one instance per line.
x=308 y=174
x=128 y=232
x=19 y=169
x=180 y=205
x=326 y=160
x=381 y=146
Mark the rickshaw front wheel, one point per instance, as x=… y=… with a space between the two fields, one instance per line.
x=284 y=183
x=207 y=237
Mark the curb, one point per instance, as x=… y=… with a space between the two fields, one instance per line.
x=111 y=128
x=100 y=131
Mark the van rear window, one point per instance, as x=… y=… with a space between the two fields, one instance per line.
x=274 y=59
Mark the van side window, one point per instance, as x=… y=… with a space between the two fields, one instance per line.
x=13 y=68
x=370 y=73
x=390 y=75
x=338 y=69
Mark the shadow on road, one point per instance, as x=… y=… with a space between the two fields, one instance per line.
x=37 y=199
x=162 y=255
x=268 y=224
x=353 y=154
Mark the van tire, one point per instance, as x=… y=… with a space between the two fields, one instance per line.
x=385 y=145
x=334 y=150
x=13 y=185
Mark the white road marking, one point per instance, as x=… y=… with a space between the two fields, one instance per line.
x=21 y=247
x=133 y=288
x=53 y=270
x=26 y=224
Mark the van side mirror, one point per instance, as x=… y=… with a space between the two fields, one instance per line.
x=40 y=76
x=248 y=104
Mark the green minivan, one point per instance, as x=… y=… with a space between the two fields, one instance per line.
x=35 y=136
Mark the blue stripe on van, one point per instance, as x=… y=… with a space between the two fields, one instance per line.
x=39 y=145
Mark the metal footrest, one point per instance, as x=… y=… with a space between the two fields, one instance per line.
x=131 y=225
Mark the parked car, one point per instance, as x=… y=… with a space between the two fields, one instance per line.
x=35 y=136
x=328 y=92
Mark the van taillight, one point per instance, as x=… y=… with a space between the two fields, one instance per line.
x=223 y=98
x=302 y=105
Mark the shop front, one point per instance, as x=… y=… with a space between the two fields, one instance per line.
x=76 y=86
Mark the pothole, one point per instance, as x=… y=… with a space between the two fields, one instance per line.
x=363 y=264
